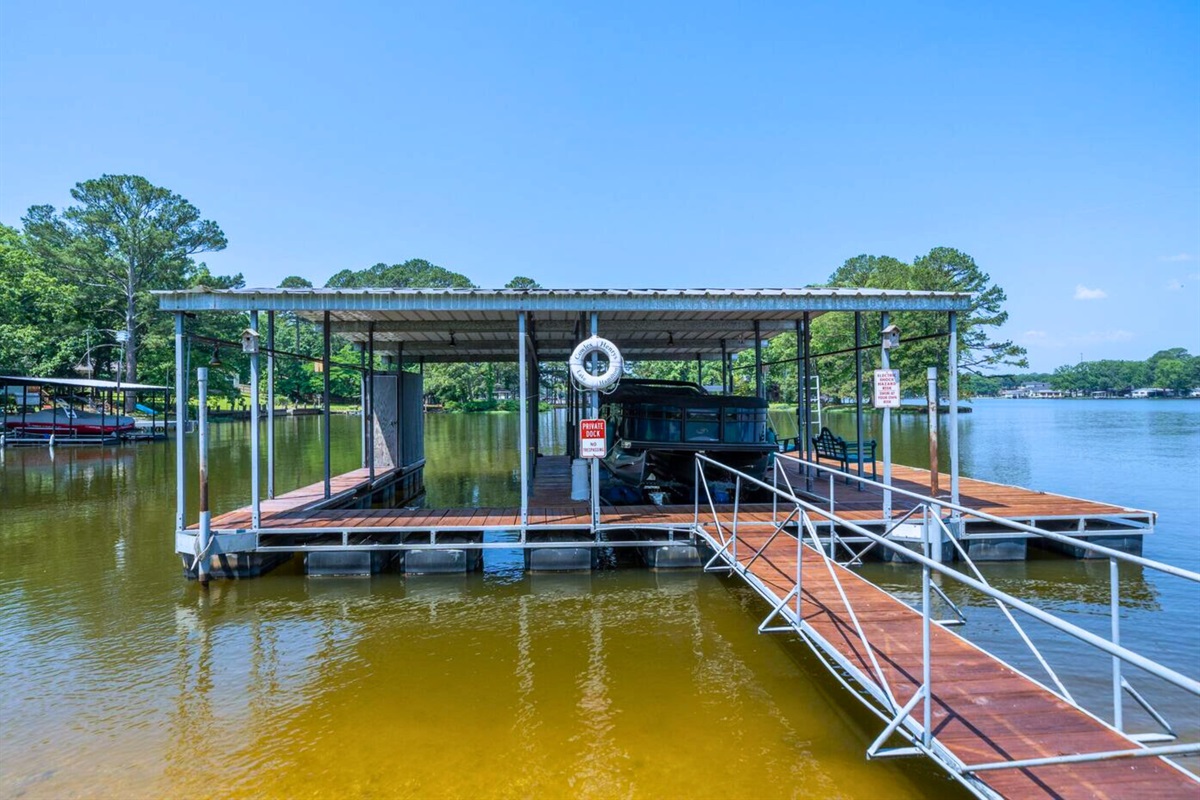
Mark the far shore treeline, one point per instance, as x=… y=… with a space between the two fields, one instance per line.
x=70 y=280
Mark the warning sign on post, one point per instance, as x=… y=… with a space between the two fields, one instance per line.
x=887 y=388
x=592 y=438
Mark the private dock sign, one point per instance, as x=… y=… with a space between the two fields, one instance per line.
x=592 y=438
x=887 y=388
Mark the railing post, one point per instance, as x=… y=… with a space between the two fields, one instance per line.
x=925 y=659
x=775 y=493
x=1114 y=580
x=696 y=507
x=801 y=523
x=737 y=496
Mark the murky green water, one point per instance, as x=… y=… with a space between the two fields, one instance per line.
x=121 y=679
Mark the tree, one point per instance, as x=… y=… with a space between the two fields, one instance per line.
x=521 y=282
x=416 y=273
x=1173 y=373
x=126 y=236
x=942 y=269
x=40 y=331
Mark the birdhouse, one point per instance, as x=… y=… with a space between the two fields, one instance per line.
x=249 y=341
x=891 y=337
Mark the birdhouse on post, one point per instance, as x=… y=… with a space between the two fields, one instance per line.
x=891 y=337
x=249 y=341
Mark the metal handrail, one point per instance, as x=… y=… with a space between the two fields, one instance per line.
x=1148 y=563
x=1008 y=614
x=1128 y=656
x=922 y=738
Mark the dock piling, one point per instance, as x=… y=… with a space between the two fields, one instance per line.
x=205 y=535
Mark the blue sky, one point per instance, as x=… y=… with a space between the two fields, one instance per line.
x=675 y=145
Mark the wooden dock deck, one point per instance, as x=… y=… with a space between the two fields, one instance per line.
x=1009 y=502
x=984 y=710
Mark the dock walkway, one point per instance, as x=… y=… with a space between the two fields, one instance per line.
x=984 y=710
x=1009 y=502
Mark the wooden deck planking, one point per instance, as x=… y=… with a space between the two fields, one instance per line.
x=984 y=710
x=1001 y=500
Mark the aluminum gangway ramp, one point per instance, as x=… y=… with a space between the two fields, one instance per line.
x=983 y=710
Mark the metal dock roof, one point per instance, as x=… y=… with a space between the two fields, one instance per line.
x=479 y=324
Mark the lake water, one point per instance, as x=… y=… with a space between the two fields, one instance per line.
x=122 y=679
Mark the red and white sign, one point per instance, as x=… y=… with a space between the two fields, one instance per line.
x=592 y=438
x=887 y=388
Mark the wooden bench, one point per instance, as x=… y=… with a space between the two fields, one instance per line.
x=835 y=448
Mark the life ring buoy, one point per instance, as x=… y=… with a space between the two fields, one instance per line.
x=582 y=377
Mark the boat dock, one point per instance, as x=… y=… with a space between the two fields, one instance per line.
x=305 y=520
x=793 y=536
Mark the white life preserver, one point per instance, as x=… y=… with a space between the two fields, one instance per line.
x=582 y=377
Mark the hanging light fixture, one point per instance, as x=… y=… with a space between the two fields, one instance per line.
x=215 y=362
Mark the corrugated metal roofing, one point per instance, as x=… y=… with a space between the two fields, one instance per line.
x=480 y=324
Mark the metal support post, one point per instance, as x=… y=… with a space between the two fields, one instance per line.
x=362 y=405
x=858 y=411
x=759 y=389
x=952 y=421
x=205 y=534
x=326 y=401
x=724 y=368
x=255 y=498
x=595 y=414
x=400 y=405
x=931 y=404
x=270 y=405
x=523 y=384
x=371 y=400
x=885 y=363
x=807 y=434
x=1114 y=581
x=181 y=382
x=699 y=371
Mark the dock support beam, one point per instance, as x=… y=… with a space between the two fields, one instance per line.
x=953 y=387
x=362 y=403
x=801 y=395
x=523 y=385
x=181 y=382
x=858 y=420
x=759 y=388
x=255 y=499
x=807 y=433
x=886 y=363
x=595 y=413
x=270 y=405
x=370 y=410
x=325 y=401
